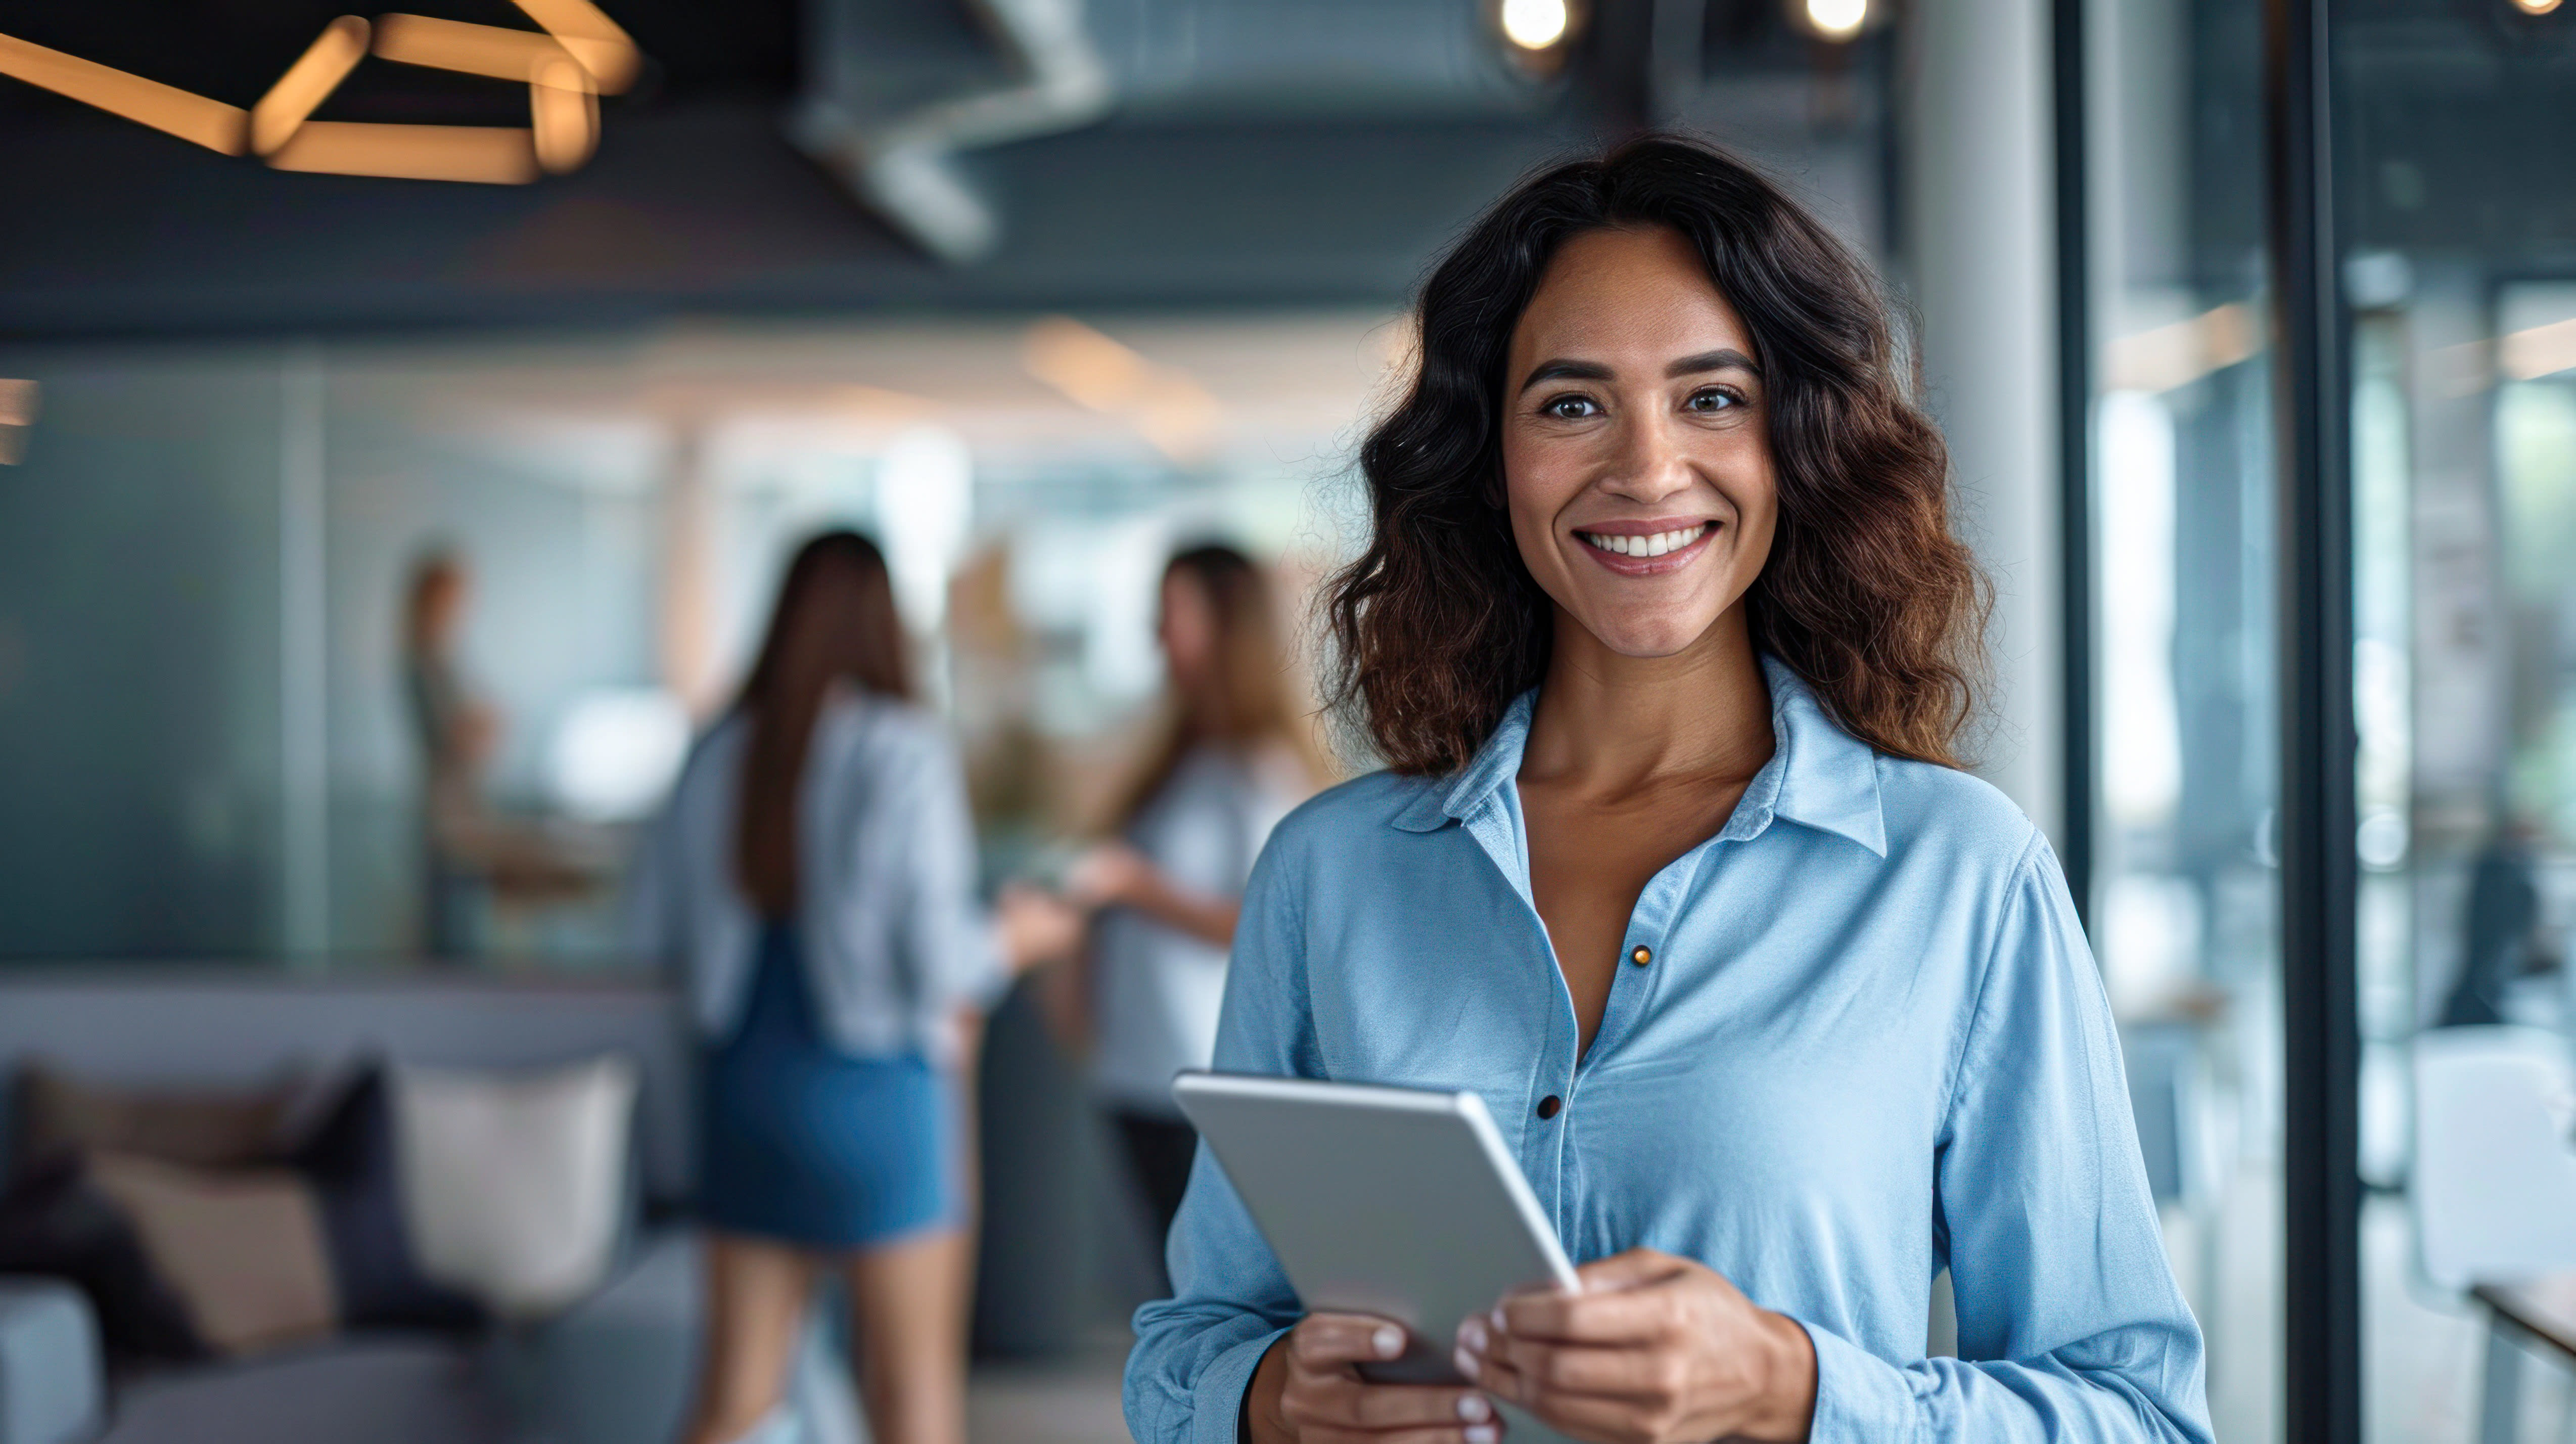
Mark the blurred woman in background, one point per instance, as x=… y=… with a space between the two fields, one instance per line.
x=1234 y=757
x=457 y=733
x=815 y=879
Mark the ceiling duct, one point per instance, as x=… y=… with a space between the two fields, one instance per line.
x=905 y=164
x=896 y=92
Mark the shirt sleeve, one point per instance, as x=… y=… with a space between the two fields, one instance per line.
x=2070 y=1325
x=942 y=932
x=1196 y=1351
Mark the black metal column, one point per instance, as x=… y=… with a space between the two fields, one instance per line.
x=2074 y=453
x=2320 y=1022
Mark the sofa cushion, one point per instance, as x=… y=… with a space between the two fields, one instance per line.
x=382 y=1390
x=242 y=1248
x=56 y=1224
x=57 y=1115
x=52 y=1381
x=515 y=1183
x=355 y=1163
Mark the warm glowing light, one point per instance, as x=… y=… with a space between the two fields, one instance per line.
x=486 y=154
x=1094 y=370
x=1169 y=408
x=2539 y=351
x=2166 y=357
x=519 y=55
x=17 y=413
x=585 y=30
x=307 y=83
x=581 y=54
x=564 y=115
x=1535 y=24
x=2535 y=7
x=17 y=402
x=210 y=123
x=1837 y=19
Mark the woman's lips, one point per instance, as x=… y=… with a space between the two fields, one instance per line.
x=1635 y=554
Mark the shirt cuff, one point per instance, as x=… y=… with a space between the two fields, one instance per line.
x=1221 y=1386
x=1860 y=1397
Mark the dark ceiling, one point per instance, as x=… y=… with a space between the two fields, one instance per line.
x=1319 y=160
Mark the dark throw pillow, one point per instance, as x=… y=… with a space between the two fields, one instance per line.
x=355 y=1169
x=56 y=1222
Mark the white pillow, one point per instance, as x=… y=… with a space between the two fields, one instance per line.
x=512 y=1183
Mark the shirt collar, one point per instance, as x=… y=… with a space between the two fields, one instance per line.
x=1818 y=775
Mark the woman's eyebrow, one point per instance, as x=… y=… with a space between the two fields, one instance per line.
x=1564 y=370
x=1721 y=359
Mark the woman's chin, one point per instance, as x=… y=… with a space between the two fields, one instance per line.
x=1646 y=639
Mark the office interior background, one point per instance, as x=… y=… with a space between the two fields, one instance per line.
x=2252 y=327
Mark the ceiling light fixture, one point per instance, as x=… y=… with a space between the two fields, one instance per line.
x=581 y=54
x=1837 y=19
x=2535 y=7
x=307 y=83
x=515 y=55
x=210 y=123
x=1535 y=24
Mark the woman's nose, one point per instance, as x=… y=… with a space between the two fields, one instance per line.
x=1651 y=462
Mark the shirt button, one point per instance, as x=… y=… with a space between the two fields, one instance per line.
x=1549 y=1106
x=1641 y=955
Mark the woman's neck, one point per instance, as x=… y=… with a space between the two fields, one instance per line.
x=1610 y=723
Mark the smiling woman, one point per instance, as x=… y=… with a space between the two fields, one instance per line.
x=1664 y=632
x=1867 y=595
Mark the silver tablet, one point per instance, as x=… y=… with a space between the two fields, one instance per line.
x=1388 y=1201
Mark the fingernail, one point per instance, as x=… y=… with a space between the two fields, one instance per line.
x=1483 y=1434
x=1497 y=1316
x=1474 y=1409
x=1388 y=1342
x=1471 y=1335
x=1466 y=1363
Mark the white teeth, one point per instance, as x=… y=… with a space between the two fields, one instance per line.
x=1645 y=546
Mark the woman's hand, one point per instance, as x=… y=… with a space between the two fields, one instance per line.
x=1111 y=874
x=1116 y=875
x=1653 y=1350
x=1034 y=926
x=1308 y=1391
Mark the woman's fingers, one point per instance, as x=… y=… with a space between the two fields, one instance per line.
x=1638 y=1313
x=1442 y=1434
x=1612 y=1371
x=1629 y=1269
x=1329 y=1341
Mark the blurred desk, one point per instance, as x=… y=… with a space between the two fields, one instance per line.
x=2541 y=1311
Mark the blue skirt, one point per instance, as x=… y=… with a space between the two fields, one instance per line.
x=812 y=1146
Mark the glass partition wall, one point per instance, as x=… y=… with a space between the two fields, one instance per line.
x=240 y=584
x=2184 y=890
x=2456 y=205
x=2327 y=299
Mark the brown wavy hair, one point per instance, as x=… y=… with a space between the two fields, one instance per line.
x=1254 y=701
x=1867 y=596
x=834 y=625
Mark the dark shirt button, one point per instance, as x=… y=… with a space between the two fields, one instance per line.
x=1548 y=1106
x=1641 y=955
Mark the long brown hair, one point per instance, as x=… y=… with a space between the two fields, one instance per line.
x=1867 y=595
x=1252 y=701
x=834 y=623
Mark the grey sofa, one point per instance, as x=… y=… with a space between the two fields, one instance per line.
x=614 y=1369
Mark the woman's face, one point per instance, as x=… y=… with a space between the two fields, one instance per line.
x=1636 y=459
x=1188 y=632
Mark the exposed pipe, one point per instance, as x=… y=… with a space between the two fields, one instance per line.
x=907 y=168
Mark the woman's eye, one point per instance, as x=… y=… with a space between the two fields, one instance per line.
x=1570 y=408
x=1711 y=400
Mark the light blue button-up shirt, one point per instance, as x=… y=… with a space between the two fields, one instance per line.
x=1870 y=1043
